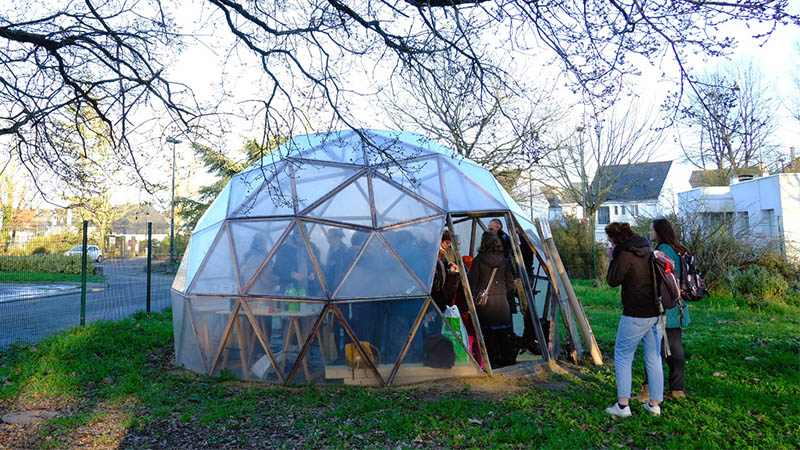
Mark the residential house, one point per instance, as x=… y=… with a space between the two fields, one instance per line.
x=128 y=235
x=764 y=209
x=637 y=190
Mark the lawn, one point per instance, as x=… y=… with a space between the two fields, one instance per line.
x=115 y=386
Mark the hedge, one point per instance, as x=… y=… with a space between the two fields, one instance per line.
x=44 y=263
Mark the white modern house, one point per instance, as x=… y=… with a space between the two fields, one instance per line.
x=767 y=208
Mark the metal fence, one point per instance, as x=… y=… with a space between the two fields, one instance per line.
x=39 y=301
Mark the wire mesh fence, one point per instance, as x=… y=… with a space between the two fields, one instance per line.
x=41 y=284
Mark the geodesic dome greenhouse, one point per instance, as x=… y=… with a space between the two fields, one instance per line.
x=315 y=264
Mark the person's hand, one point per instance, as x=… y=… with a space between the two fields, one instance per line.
x=298 y=276
x=312 y=276
x=610 y=253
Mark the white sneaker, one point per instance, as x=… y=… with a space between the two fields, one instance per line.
x=615 y=410
x=654 y=410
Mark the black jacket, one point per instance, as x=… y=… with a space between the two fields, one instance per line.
x=496 y=311
x=630 y=267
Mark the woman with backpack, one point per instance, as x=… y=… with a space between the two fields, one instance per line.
x=663 y=236
x=629 y=266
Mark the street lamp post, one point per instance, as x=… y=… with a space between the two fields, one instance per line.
x=173 y=141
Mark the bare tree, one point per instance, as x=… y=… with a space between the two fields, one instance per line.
x=731 y=117
x=502 y=132
x=314 y=55
x=616 y=137
x=102 y=59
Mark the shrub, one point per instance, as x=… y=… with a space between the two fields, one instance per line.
x=39 y=251
x=44 y=263
x=573 y=239
x=757 y=283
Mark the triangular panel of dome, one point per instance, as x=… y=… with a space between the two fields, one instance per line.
x=342 y=147
x=335 y=249
x=216 y=276
x=351 y=205
x=252 y=241
x=484 y=179
x=420 y=176
x=290 y=272
x=465 y=195
x=314 y=180
x=201 y=244
x=272 y=198
x=394 y=206
x=243 y=185
x=217 y=212
x=418 y=245
x=390 y=146
x=377 y=273
x=179 y=284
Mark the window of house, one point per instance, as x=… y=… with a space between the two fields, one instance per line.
x=616 y=211
x=768 y=221
x=634 y=210
x=623 y=210
x=603 y=215
x=742 y=223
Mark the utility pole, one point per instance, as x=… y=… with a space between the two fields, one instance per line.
x=173 y=141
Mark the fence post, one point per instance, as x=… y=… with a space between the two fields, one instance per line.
x=84 y=261
x=149 y=260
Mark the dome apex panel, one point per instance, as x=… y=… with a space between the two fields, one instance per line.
x=350 y=205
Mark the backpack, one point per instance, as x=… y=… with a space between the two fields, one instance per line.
x=693 y=288
x=438 y=352
x=666 y=289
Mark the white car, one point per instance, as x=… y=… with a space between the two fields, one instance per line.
x=92 y=252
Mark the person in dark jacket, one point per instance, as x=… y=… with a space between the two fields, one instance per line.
x=629 y=266
x=495 y=316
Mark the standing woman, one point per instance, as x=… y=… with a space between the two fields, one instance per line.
x=495 y=316
x=662 y=233
x=629 y=265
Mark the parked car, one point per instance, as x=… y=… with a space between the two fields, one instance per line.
x=92 y=252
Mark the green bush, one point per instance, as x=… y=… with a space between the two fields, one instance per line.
x=44 y=263
x=757 y=283
x=55 y=244
x=573 y=239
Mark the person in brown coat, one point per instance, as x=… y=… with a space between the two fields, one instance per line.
x=630 y=267
x=495 y=316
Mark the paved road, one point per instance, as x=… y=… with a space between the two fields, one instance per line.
x=31 y=320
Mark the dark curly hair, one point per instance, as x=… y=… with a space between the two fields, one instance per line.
x=490 y=242
x=619 y=232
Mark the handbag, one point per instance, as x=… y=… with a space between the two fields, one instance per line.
x=482 y=297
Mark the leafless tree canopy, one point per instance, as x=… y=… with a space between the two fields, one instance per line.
x=74 y=70
x=616 y=137
x=63 y=56
x=731 y=118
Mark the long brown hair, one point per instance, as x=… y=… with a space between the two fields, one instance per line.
x=665 y=234
x=490 y=242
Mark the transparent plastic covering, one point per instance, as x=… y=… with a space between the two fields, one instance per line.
x=419 y=176
x=201 y=242
x=327 y=223
x=253 y=240
x=378 y=273
x=392 y=205
x=313 y=181
x=417 y=244
x=465 y=195
x=289 y=272
x=335 y=249
x=351 y=205
x=217 y=275
x=218 y=210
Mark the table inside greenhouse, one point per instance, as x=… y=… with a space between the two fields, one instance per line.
x=291 y=329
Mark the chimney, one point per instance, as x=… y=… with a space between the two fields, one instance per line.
x=791 y=155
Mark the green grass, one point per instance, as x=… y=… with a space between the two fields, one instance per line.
x=743 y=380
x=45 y=277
